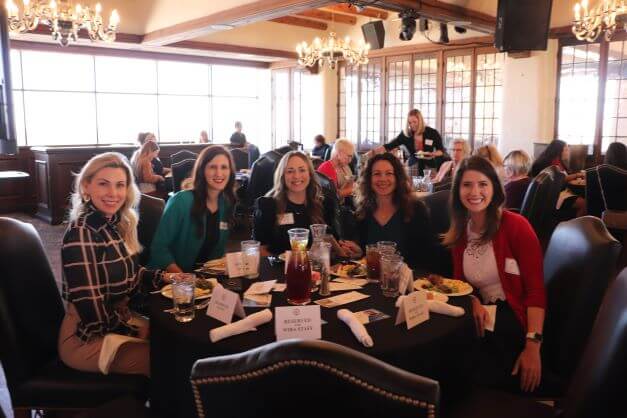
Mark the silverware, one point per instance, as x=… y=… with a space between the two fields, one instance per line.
x=201 y=305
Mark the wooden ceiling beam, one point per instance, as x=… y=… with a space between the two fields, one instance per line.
x=331 y=17
x=299 y=21
x=260 y=10
x=368 y=11
x=235 y=49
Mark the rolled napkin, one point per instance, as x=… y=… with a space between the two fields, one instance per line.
x=239 y=327
x=444 y=308
x=357 y=327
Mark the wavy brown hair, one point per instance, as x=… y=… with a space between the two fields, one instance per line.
x=459 y=213
x=313 y=203
x=198 y=185
x=366 y=200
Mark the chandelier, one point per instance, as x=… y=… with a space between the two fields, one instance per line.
x=331 y=50
x=64 y=20
x=606 y=17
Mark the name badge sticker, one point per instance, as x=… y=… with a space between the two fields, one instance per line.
x=511 y=266
x=285 y=219
x=429 y=142
x=224 y=226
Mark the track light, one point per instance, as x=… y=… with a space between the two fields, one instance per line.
x=423 y=24
x=443 y=34
x=408 y=24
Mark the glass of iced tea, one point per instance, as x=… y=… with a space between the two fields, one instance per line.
x=299 y=238
x=373 y=262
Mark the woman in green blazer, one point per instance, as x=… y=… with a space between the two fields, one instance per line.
x=194 y=227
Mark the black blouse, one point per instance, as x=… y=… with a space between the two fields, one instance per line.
x=270 y=229
x=432 y=141
x=213 y=230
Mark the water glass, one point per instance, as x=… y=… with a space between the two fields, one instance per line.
x=373 y=261
x=427 y=172
x=318 y=231
x=391 y=274
x=416 y=181
x=250 y=258
x=320 y=258
x=386 y=247
x=299 y=238
x=183 y=288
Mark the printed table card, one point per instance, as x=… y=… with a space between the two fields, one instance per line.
x=369 y=316
x=223 y=304
x=236 y=267
x=413 y=310
x=342 y=299
x=297 y=322
x=338 y=287
x=260 y=288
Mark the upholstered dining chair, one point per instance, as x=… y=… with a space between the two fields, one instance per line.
x=309 y=379
x=437 y=203
x=597 y=388
x=31 y=312
x=182 y=155
x=150 y=210
x=240 y=158
x=180 y=171
x=540 y=201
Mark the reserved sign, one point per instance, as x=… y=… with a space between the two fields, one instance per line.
x=223 y=304
x=297 y=322
x=413 y=310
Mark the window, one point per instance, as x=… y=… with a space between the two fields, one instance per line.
x=615 y=110
x=425 y=88
x=348 y=111
x=398 y=95
x=457 y=98
x=95 y=99
x=370 y=106
x=281 y=107
x=488 y=99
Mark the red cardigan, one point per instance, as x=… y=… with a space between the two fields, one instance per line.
x=514 y=239
x=328 y=170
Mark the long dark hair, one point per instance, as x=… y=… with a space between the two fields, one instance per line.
x=402 y=197
x=459 y=213
x=553 y=150
x=199 y=185
x=616 y=155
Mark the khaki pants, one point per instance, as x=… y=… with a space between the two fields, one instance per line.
x=131 y=358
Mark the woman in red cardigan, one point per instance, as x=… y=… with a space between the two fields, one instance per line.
x=498 y=253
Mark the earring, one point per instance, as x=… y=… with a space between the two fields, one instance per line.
x=86 y=198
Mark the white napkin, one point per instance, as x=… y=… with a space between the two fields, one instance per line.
x=110 y=345
x=444 y=308
x=357 y=327
x=406 y=280
x=239 y=327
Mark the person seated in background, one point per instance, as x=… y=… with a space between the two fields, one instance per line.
x=557 y=154
x=204 y=138
x=517 y=165
x=459 y=150
x=490 y=153
x=157 y=165
x=295 y=201
x=238 y=139
x=388 y=211
x=143 y=171
x=616 y=155
x=499 y=254
x=337 y=169
x=100 y=270
x=321 y=149
x=194 y=227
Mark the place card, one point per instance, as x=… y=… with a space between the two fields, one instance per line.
x=370 y=315
x=342 y=299
x=260 y=288
x=279 y=287
x=224 y=304
x=356 y=282
x=235 y=266
x=491 y=322
x=338 y=287
x=297 y=322
x=413 y=310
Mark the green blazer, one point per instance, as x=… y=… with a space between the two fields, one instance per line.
x=176 y=239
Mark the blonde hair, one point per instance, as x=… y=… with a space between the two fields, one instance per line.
x=465 y=146
x=128 y=214
x=342 y=144
x=490 y=153
x=140 y=159
x=517 y=163
x=421 y=123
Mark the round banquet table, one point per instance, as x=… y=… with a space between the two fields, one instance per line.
x=438 y=348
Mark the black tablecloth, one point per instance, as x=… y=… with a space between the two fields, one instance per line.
x=438 y=348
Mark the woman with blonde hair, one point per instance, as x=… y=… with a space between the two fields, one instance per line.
x=143 y=169
x=295 y=201
x=517 y=165
x=490 y=153
x=100 y=270
x=337 y=169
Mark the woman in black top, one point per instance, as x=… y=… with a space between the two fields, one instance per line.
x=321 y=150
x=295 y=201
x=387 y=211
x=423 y=143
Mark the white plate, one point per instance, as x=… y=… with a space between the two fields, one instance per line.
x=199 y=293
x=334 y=273
x=282 y=257
x=465 y=290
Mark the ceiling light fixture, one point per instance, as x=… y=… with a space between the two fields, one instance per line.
x=443 y=33
x=607 y=16
x=331 y=50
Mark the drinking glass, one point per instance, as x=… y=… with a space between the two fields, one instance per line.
x=320 y=258
x=250 y=258
x=427 y=172
x=386 y=247
x=391 y=274
x=183 y=288
x=318 y=231
x=299 y=238
x=415 y=181
x=373 y=261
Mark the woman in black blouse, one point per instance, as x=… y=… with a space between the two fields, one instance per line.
x=388 y=211
x=423 y=143
x=295 y=201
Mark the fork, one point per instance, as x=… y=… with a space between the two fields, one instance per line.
x=201 y=305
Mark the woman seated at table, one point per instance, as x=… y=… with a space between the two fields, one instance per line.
x=417 y=138
x=194 y=227
x=498 y=253
x=459 y=150
x=490 y=153
x=157 y=165
x=517 y=165
x=557 y=154
x=337 y=168
x=387 y=211
x=321 y=149
x=616 y=155
x=143 y=170
x=100 y=270
x=295 y=201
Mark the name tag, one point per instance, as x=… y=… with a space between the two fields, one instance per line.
x=285 y=219
x=429 y=142
x=298 y=322
x=511 y=266
x=224 y=226
x=224 y=304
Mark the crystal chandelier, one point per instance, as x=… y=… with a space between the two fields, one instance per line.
x=606 y=17
x=332 y=50
x=64 y=20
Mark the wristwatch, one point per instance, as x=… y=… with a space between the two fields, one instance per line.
x=534 y=336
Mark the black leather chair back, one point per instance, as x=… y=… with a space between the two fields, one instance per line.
x=540 y=200
x=180 y=171
x=438 y=205
x=31 y=310
x=579 y=264
x=614 y=182
x=262 y=174
x=598 y=385
x=240 y=157
x=330 y=194
x=182 y=155
x=150 y=210
x=253 y=154
x=310 y=379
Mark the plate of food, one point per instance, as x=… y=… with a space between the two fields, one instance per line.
x=217 y=266
x=283 y=256
x=350 y=270
x=424 y=155
x=203 y=289
x=439 y=284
